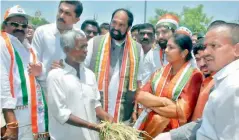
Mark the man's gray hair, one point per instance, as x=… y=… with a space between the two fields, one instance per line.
x=68 y=38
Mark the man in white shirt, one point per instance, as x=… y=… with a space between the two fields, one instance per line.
x=220 y=117
x=146 y=35
x=221 y=113
x=73 y=96
x=22 y=99
x=46 y=40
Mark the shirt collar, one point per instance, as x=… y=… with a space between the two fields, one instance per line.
x=56 y=31
x=228 y=69
x=72 y=70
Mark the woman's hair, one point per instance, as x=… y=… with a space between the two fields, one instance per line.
x=185 y=43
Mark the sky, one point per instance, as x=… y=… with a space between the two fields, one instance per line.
x=102 y=10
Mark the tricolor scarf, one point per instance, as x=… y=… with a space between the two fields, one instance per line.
x=102 y=68
x=39 y=114
x=173 y=90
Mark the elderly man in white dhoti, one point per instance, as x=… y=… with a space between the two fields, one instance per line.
x=73 y=96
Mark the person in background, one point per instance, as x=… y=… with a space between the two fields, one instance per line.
x=186 y=31
x=90 y=28
x=194 y=38
x=30 y=32
x=135 y=32
x=104 y=28
x=151 y=52
x=208 y=83
x=165 y=28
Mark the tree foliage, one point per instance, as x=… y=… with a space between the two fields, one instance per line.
x=38 y=21
x=193 y=18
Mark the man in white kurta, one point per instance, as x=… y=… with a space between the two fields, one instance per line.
x=70 y=95
x=20 y=91
x=151 y=63
x=73 y=96
x=46 y=40
x=118 y=95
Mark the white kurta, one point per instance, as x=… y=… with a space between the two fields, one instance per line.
x=7 y=101
x=23 y=114
x=67 y=94
x=221 y=113
x=150 y=64
x=114 y=81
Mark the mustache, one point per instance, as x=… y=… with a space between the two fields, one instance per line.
x=145 y=40
x=17 y=30
x=61 y=19
x=204 y=66
x=162 y=40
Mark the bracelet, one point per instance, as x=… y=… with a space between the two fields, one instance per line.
x=12 y=123
x=13 y=127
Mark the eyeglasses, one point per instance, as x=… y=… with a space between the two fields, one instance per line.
x=16 y=25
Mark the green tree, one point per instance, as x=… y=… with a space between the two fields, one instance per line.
x=193 y=18
x=38 y=21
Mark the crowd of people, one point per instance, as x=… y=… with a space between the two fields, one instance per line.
x=59 y=82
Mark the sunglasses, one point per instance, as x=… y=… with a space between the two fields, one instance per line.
x=16 y=25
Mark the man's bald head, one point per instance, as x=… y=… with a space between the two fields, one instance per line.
x=222 y=45
x=230 y=29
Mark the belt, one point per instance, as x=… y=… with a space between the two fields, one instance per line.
x=21 y=107
x=41 y=135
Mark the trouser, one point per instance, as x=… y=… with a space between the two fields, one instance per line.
x=25 y=133
x=186 y=132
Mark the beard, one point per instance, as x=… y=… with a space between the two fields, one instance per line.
x=119 y=36
x=163 y=44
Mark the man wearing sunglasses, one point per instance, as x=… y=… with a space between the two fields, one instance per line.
x=22 y=100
